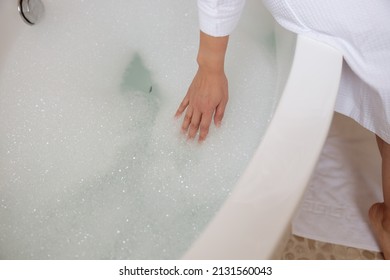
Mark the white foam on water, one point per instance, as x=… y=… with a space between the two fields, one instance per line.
x=92 y=170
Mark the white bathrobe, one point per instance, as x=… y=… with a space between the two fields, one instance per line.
x=360 y=29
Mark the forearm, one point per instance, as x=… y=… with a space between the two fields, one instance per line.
x=211 y=54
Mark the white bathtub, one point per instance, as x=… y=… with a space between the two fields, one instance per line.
x=254 y=220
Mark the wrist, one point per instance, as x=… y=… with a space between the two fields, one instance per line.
x=210 y=65
x=211 y=54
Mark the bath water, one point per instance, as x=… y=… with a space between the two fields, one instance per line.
x=92 y=163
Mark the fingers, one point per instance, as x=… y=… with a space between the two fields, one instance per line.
x=183 y=106
x=219 y=113
x=204 y=126
x=194 y=122
x=194 y=125
x=187 y=120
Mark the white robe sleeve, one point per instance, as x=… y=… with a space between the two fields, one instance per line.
x=219 y=17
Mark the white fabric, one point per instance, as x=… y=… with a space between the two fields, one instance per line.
x=361 y=31
x=345 y=183
x=219 y=17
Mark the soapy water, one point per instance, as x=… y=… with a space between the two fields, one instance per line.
x=92 y=163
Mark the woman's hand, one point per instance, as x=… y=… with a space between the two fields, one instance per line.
x=207 y=95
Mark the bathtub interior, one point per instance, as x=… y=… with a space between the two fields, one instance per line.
x=92 y=163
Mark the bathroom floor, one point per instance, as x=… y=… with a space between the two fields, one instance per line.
x=299 y=248
x=348 y=151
